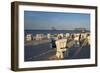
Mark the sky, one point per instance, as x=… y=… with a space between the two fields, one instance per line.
x=36 y=20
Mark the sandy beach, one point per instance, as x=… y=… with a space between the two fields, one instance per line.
x=41 y=50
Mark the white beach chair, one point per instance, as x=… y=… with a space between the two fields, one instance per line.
x=61 y=47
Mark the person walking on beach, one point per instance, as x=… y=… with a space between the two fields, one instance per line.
x=80 y=40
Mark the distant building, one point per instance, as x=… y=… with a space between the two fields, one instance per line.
x=80 y=29
x=53 y=28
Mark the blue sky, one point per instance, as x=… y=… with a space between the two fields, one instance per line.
x=61 y=21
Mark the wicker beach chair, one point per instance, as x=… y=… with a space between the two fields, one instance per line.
x=61 y=48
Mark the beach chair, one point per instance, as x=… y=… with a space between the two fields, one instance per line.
x=61 y=48
x=29 y=37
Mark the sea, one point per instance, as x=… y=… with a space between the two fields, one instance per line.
x=45 y=32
